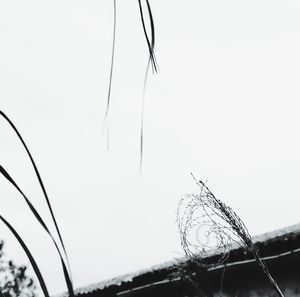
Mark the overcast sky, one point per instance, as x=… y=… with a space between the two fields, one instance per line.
x=224 y=105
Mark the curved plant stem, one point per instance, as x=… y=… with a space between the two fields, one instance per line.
x=29 y=255
x=67 y=272
x=105 y=122
x=151 y=60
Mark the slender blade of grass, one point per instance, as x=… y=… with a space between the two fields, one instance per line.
x=67 y=278
x=3 y=115
x=105 y=122
x=32 y=208
x=43 y=224
x=152 y=30
x=151 y=42
x=142 y=118
x=153 y=62
x=29 y=255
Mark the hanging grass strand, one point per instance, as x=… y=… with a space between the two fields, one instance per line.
x=150 y=40
x=106 y=117
x=151 y=61
x=142 y=117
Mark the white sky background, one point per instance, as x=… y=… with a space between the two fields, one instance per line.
x=225 y=105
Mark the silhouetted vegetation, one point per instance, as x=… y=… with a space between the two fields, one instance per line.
x=14 y=280
x=62 y=255
x=59 y=246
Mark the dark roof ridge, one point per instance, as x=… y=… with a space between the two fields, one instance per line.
x=262 y=240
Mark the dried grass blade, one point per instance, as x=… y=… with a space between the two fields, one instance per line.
x=153 y=62
x=105 y=122
x=32 y=208
x=151 y=42
x=41 y=185
x=142 y=118
x=29 y=255
x=152 y=30
x=43 y=224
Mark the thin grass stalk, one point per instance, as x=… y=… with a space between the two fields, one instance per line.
x=241 y=230
x=67 y=271
x=29 y=255
x=44 y=225
x=40 y=183
x=105 y=122
x=152 y=30
x=264 y=267
x=243 y=233
x=153 y=62
x=142 y=117
x=150 y=42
